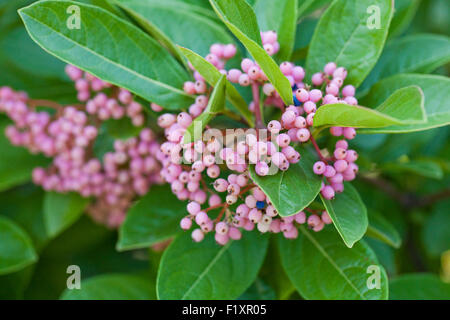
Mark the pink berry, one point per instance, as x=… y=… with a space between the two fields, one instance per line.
x=319 y=167
x=185 y=223
x=327 y=192
x=197 y=235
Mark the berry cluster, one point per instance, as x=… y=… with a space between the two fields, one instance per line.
x=68 y=135
x=235 y=201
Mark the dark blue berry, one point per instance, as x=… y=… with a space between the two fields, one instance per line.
x=260 y=204
x=294 y=87
x=296 y=102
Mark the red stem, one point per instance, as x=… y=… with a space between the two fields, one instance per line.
x=258 y=119
x=316 y=147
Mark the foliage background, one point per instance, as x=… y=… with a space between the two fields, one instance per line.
x=412 y=191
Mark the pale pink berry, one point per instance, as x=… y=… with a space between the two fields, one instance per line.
x=302 y=95
x=343 y=144
x=349 y=133
x=197 y=235
x=340 y=153
x=351 y=156
x=234 y=75
x=229 y=51
x=246 y=64
x=234 y=233
x=274 y=126
x=189 y=87
x=250 y=201
x=221 y=228
x=340 y=165
x=254 y=215
x=244 y=80
x=327 y=192
x=185 y=223
x=261 y=168
x=298 y=73
x=329 y=68
x=317 y=79
x=303 y=135
x=220 y=185
x=348 y=91
x=336 y=131
x=319 y=167
x=300 y=217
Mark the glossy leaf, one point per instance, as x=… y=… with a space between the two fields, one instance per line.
x=421 y=53
x=280 y=16
x=353 y=44
x=164 y=20
x=293 y=190
x=123 y=55
x=16 y=163
x=206 y=270
x=239 y=17
x=436 y=90
x=24 y=206
x=212 y=75
x=216 y=104
x=61 y=210
x=381 y=229
x=113 y=287
x=405 y=11
x=321 y=267
x=154 y=218
x=305 y=7
x=349 y=214
x=418 y=286
x=16 y=248
x=404 y=106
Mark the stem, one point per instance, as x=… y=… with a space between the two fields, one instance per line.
x=45 y=103
x=258 y=118
x=316 y=147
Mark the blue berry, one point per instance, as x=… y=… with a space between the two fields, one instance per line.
x=260 y=204
x=296 y=102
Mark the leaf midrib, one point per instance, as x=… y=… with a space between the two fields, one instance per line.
x=208 y=267
x=325 y=254
x=99 y=56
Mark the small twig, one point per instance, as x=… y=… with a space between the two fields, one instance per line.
x=258 y=118
x=316 y=147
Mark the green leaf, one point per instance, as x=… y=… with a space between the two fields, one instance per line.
x=239 y=17
x=154 y=218
x=16 y=163
x=206 y=270
x=259 y=290
x=293 y=190
x=321 y=267
x=404 y=106
x=381 y=229
x=216 y=104
x=436 y=90
x=16 y=249
x=308 y=6
x=61 y=210
x=212 y=75
x=164 y=20
x=123 y=55
x=351 y=44
x=435 y=235
x=405 y=11
x=418 y=286
x=421 y=53
x=24 y=205
x=113 y=287
x=425 y=168
x=349 y=214
x=280 y=16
